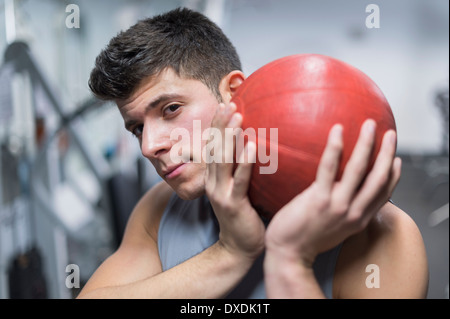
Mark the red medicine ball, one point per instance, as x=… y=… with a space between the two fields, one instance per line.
x=303 y=96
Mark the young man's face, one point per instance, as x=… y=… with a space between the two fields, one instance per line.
x=161 y=105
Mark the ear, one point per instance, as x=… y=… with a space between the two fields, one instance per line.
x=230 y=83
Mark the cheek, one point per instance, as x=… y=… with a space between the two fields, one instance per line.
x=199 y=126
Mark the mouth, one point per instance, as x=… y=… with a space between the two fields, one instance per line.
x=173 y=171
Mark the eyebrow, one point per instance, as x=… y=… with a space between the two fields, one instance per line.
x=163 y=98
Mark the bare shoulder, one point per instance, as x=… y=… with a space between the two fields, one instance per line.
x=386 y=260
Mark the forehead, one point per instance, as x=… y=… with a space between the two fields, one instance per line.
x=166 y=82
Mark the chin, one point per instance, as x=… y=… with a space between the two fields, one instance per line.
x=191 y=183
x=189 y=194
x=190 y=190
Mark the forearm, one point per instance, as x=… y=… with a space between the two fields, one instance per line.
x=211 y=274
x=289 y=278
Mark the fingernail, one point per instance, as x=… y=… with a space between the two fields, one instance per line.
x=230 y=108
x=337 y=131
x=235 y=118
x=393 y=137
x=221 y=108
x=369 y=127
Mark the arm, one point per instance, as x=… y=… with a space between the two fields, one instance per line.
x=328 y=212
x=134 y=270
x=393 y=247
x=386 y=260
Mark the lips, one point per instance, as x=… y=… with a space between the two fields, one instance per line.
x=171 y=170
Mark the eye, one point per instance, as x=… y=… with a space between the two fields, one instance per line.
x=137 y=130
x=172 y=108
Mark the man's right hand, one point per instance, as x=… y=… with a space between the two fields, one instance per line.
x=241 y=229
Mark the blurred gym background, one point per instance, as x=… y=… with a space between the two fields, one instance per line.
x=70 y=174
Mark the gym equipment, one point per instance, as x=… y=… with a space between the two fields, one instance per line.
x=303 y=96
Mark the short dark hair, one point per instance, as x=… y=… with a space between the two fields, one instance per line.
x=181 y=39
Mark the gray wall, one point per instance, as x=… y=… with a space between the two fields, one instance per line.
x=407 y=56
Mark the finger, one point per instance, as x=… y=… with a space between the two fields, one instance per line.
x=384 y=196
x=383 y=177
x=217 y=132
x=208 y=150
x=244 y=170
x=356 y=167
x=329 y=162
x=225 y=169
x=223 y=115
x=208 y=156
x=215 y=144
x=210 y=180
x=210 y=174
x=216 y=114
x=395 y=176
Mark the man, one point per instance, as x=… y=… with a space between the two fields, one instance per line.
x=178 y=67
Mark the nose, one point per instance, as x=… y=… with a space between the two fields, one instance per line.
x=155 y=142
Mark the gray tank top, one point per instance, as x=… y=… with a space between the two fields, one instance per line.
x=189 y=227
